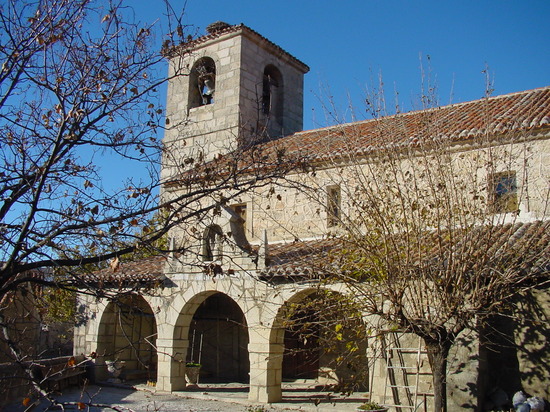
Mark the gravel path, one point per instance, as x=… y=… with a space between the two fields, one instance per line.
x=208 y=398
x=145 y=401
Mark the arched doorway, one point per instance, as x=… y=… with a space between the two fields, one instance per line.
x=301 y=343
x=325 y=340
x=127 y=335
x=218 y=340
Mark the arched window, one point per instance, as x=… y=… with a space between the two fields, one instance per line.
x=272 y=95
x=202 y=82
x=211 y=243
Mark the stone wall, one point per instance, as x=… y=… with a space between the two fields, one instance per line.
x=234 y=118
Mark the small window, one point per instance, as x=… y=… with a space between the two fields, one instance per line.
x=211 y=243
x=333 y=206
x=202 y=83
x=503 y=192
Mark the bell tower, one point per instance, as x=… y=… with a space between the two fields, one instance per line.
x=236 y=89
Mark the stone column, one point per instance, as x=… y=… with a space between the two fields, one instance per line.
x=266 y=361
x=377 y=372
x=171 y=364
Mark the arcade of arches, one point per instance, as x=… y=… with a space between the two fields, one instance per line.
x=238 y=330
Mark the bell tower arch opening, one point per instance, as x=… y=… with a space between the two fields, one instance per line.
x=202 y=83
x=273 y=100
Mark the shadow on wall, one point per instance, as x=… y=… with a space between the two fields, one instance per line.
x=464 y=366
x=511 y=352
x=517 y=347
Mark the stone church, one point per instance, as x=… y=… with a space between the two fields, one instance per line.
x=223 y=301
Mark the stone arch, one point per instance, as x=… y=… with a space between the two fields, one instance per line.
x=211 y=329
x=127 y=334
x=325 y=342
x=202 y=83
x=277 y=335
x=277 y=330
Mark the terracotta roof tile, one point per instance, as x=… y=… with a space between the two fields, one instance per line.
x=523 y=111
x=190 y=45
x=138 y=271
x=310 y=259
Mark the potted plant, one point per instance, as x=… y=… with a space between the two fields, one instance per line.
x=371 y=407
x=192 y=371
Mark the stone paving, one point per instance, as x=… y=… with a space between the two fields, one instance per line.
x=206 y=398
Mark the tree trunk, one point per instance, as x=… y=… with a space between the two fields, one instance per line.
x=437 y=355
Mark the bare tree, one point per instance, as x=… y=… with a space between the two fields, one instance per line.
x=440 y=222
x=80 y=83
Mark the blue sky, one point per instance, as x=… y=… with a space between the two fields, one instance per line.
x=347 y=44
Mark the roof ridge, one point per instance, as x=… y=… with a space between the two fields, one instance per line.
x=427 y=110
x=233 y=28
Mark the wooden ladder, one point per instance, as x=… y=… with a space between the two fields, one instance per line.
x=403 y=378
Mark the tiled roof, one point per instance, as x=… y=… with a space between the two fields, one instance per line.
x=299 y=258
x=312 y=259
x=528 y=243
x=193 y=44
x=145 y=270
x=494 y=116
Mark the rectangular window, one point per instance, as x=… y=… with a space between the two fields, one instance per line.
x=333 y=205
x=503 y=192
